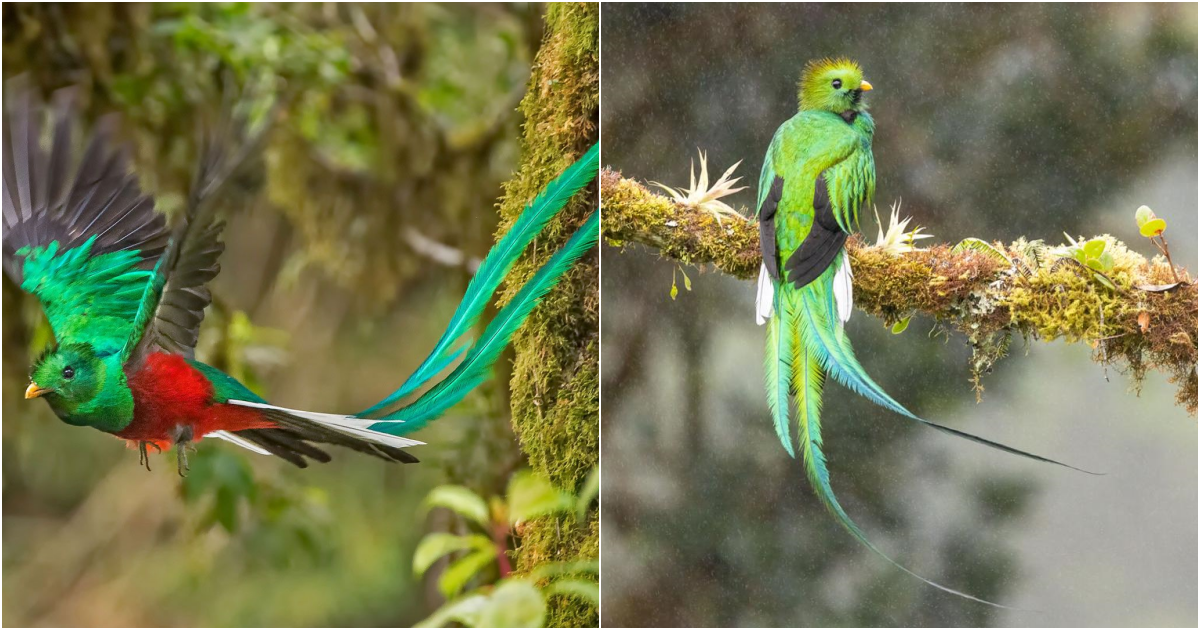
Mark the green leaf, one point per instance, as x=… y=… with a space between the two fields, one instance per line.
x=514 y=604
x=1094 y=247
x=460 y=500
x=674 y=288
x=462 y=570
x=589 y=591
x=531 y=496
x=1104 y=280
x=687 y=282
x=977 y=245
x=1153 y=228
x=591 y=488
x=436 y=545
x=901 y=326
x=1106 y=261
x=464 y=611
x=1143 y=216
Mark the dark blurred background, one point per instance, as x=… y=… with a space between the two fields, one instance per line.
x=994 y=122
x=335 y=283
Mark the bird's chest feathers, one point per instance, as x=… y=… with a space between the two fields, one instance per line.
x=166 y=392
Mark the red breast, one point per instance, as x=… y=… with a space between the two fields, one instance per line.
x=169 y=393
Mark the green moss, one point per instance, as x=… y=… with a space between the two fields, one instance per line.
x=633 y=213
x=555 y=378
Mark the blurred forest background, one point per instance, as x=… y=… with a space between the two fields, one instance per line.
x=353 y=241
x=994 y=121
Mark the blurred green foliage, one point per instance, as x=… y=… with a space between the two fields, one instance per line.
x=506 y=600
x=402 y=122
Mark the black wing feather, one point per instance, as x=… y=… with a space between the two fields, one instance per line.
x=825 y=239
x=190 y=260
x=286 y=444
x=766 y=227
x=43 y=202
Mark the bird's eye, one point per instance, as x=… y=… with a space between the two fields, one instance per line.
x=837 y=84
x=68 y=372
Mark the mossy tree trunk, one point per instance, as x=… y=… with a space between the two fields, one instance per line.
x=555 y=380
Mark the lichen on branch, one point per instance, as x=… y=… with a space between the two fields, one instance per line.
x=1023 y=288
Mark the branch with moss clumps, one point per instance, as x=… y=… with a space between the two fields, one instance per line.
x=1137 y=314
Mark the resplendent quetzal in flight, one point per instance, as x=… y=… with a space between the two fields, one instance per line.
x=125 y=296
x=817 y=174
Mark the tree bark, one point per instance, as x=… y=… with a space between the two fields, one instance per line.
x=1022 y=288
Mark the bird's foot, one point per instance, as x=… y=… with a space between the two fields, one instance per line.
x=144 y=453
x=182 y=435
x=181 y=451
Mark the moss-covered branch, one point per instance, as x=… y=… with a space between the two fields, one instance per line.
x=1021 y=288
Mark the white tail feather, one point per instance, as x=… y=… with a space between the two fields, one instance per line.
x=843 y=288
x=764 y=301
x=346 y=425
x=246 y=444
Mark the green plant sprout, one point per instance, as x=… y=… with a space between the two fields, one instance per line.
x=511 y=601
x=1092 y=255
x=687 y=282
x=1152 y=228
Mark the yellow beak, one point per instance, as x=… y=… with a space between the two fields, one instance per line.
x=866 y=87
x=33 y=391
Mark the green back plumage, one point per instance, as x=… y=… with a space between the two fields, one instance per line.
x=807 y=145
x=225 y=387
x=86 y=298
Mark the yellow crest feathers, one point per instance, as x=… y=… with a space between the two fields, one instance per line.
x=816 y=77
x=817 y=67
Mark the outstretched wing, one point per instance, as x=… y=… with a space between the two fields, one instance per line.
x=172 y=305
x=80 y=237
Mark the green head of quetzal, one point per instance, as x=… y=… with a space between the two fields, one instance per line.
x=833 y=85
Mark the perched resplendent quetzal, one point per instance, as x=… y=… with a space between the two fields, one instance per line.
x=125 y=297
x=817 y=174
